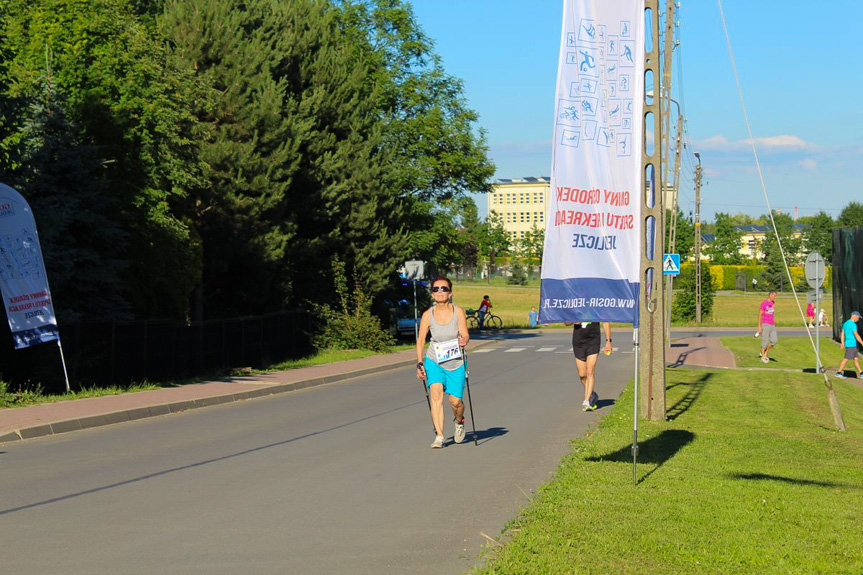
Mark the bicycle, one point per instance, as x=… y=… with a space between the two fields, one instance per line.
x=491 y=321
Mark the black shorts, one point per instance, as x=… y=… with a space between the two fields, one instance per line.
x=585 y=340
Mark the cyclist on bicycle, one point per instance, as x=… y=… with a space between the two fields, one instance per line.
x=484 y=307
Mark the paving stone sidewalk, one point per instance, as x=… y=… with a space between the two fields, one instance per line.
x=63 y=416
x=702 y=351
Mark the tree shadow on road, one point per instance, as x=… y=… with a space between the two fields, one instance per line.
x=656 y=450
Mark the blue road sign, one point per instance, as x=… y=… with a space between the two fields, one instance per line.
x=671 y=264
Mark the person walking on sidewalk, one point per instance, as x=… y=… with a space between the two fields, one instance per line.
x=767 y=326
x=585 y=347
x=442 y=365
x=849 y=339
x=810 y=314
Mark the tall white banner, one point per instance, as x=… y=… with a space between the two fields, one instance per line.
x=590 y=266
x=23 y=282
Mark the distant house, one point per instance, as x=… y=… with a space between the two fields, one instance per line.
x=752 y=239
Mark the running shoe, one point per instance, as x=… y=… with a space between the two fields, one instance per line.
x=593 y=398
x=765 y=359
x=841 y=375
x=458 y=436
x=438 y=442
x=587 y=406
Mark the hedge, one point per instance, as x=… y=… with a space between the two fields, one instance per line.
x=725 y=277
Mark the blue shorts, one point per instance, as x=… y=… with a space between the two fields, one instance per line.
x=453 y=381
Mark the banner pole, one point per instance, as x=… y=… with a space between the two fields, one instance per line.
x=63 y=361
x=635 y=408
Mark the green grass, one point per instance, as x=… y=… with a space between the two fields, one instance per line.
x=741 y=309
x=512 y=304
x=24 y=397
x=331 y=356
x=790 y=353
x=748 y=475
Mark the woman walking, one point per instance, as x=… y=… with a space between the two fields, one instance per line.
x=442 y=365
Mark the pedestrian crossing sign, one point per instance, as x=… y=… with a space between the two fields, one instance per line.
x=671 y=265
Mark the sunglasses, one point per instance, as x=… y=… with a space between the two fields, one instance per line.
x=444 y=289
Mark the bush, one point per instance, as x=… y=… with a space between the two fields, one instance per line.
x=724 y=277
x=25 y=395
x=518 y=277
x=684 y=304
x=353 y=326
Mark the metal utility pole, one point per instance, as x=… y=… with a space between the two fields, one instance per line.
x=651 y=312
x=698 y=239
x=672 y=233
x=665 y=92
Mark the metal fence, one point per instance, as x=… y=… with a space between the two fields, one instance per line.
x=107 y=352
x=847 y=275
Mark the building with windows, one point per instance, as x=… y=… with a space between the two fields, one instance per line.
x=521 y=204
x=752 y=239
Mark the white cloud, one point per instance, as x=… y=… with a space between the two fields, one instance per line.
x=808 y=164
x=783 y=143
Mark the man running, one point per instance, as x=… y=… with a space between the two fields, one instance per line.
x=767 y=326
x=849 y=339
x=585 y=347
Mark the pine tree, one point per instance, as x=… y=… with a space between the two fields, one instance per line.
x=63 y=180
x=342 y=195
x=249 y=147
x=775 y=272
x=819 y=235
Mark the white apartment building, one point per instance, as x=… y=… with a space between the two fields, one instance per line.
x=521 y=203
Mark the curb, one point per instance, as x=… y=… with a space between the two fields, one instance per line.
x=91 y=421
x=123 y=416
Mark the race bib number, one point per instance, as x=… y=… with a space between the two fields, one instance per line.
x=447 y=350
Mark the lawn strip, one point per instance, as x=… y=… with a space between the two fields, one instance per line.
x=749 y=476
x=789 y=353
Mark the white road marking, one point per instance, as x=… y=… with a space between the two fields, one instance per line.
x=515 y=349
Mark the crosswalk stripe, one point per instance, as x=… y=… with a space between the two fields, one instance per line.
x=553 y=349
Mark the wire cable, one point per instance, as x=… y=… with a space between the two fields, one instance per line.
x=770 y=210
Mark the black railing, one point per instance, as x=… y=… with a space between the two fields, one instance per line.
x=107 y=352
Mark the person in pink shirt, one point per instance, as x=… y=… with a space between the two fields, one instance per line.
x=767 y=326
x=810 y=314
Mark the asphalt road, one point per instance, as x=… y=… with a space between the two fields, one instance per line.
x=333 y=479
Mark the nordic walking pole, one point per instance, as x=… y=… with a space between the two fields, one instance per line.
x=469 y=402
x=428 y=401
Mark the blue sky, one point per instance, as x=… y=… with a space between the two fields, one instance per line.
x=799 y=67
